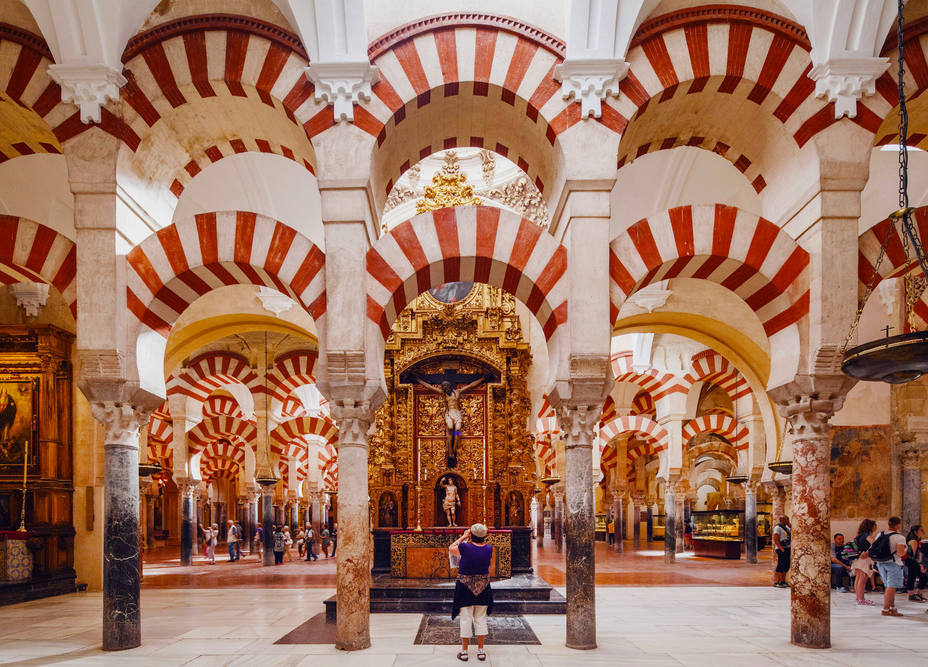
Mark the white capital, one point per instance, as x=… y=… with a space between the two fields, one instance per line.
x=845 y=80
x=88 y=86
x=590 y=81
x=31 y=297
x=343 y=84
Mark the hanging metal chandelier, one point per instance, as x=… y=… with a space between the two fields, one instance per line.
x=903 y=358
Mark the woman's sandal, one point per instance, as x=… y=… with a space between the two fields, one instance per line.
x=462 y=656
x=481 y=654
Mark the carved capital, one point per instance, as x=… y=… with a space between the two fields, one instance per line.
x=88 y=86
x=189 y=487
x=911 y=459
x=807 y=416
x=354 y=419
x=121 y=422
x=577 y=423
x=343 y=85
x=30 y=296
x=845 y=80
x=590 y=81
x=750 y=488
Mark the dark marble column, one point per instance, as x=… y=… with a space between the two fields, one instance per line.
x=911 y=488
x=558 y=526
x=618 y=511
x=750 y=522
x=649 y=523
x=540 y=521
x=187 y=490
x=267 y=524
x=294 y=518
x=680 y=522
x=636 y=522
x=580 y=526
x=122 y=628
x=670 y=524
x=810 y=609
x=353 y=566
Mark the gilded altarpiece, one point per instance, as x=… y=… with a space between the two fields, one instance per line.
x=477 y=338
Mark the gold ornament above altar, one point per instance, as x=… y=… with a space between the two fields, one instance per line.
x=449 y=188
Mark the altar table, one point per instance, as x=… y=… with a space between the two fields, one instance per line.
x=424 y=554
x=15 y=559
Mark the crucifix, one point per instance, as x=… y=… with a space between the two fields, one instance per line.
x=453 y=419
x=886 y=330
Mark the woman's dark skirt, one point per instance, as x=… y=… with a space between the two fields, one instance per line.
x=464 y=598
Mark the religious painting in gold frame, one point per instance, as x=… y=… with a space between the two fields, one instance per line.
x=17 y=422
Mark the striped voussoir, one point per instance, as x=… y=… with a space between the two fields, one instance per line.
x=638 y=425
x=32 y=252
x=219 y=468
x=719 y=424
x=544 y=451
x=467 y=243
x=209 y=56
x=25 y=84
x=710 y=366
x=718 y=447
x=210 y=371
x=179 y=263
x=239 y=432
x=219 y=404
x=742 y=52
x=159 y=451
x=293 y=450
x=290 y=371
x=160 y=429
x=640 y=448
x=643 y=405
x=294 y=429
x=740 y=251
x=916 y=70
x=609 y=457
x=201 y=159
x=608 y=411
x=223 y=449
x=895 y=263
x=742 y=162
x=656 y=384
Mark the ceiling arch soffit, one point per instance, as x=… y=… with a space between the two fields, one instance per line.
x=32 y=252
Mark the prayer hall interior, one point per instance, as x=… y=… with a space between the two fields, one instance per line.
x=626 y=281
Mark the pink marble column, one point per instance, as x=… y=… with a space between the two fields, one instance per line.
x=810 y=600
x=618 y=512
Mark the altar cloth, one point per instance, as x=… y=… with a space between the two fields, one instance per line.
x=424 y=554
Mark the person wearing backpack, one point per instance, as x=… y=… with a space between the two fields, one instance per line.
x=887 y=551
x=862 y=564
x=781 y=544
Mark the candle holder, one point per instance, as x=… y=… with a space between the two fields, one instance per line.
x=22 y=513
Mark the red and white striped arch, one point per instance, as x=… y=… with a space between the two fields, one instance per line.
x=608 y=412
x=740 y=251
x=25 y=83
x=717 y=448
x=894 y=263
x=32 y=252
x=640 y=448
x=212 y=371
x=656 y=384
x=710 y=366
x=160 y=429
x=238 y=432
x=219 y=404
x=223 y=449
x=639 y=426
x=718 y=424
x=644 y=405
x=290 y=371
x=219 y=468
x=609 y=457
x=330 y=475
x=294 y=429
x=723 y=50
x=161 y=453
x=177 y=264
x=467 y=243
x=916 y=82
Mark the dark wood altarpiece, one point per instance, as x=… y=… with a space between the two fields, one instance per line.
x=35 y=405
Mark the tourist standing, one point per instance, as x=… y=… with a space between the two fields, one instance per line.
x=781 y=544
x=232 y=541
x=300 y=542
x=610 y=531
x=288 y=545
x=862 y=565
x=334 y=538
x=241 y=538
x=259 y=538
x=473 y=597
x=278 y=546
x=916 y=579
x=887 y=551
x=210 y=539
x=310 y=543
x=325 y=541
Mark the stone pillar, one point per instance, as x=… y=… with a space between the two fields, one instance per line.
x=188 y=489
x=750 y=522
x=316 y=519
x=580 y=527
x=680 y=522
x=777 y=496
x=807 y=428
x=636 y=521
x=670 y=523
x=122 y=628
x=618 y=511
x=252 y=522
x=911 y=488
x=267 y=523
x=540 y=521
x=649 y=522
x=558 y=527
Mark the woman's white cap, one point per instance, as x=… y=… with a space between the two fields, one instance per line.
x=478 y=530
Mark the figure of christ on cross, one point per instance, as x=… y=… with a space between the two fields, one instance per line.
x=453 y=419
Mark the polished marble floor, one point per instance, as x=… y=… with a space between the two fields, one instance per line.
x=690 y=625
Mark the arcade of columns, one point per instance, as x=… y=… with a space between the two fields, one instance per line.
x=777 y=291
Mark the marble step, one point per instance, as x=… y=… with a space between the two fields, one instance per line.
x=556 y=604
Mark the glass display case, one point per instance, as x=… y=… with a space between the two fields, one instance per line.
x=764 y=527
x=657 y=527
x=601 y=526
x=718 y=533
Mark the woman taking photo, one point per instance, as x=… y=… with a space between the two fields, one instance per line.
x=473 y=598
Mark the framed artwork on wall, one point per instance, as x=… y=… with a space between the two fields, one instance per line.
x=17 y=421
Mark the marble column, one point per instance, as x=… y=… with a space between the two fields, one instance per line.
x=316 y=520
x=649 y=523
x=252 y=523
x=750 y=522
x=618 y=511
x=810 y=610
x=680 y=522
x=540 y=521
x=777 y=496
x=267 y=523
x=353 y=574
x=122 y=628
x=670 y=524
x=579 y=525
x=636 y=522
x=911 y=488
x=187 y=537
x=558 y=527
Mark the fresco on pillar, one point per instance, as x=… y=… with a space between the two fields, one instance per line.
x=860 y=472
x=451 y=445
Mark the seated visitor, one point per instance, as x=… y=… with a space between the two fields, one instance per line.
x=840 y=568
x=473 y=597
